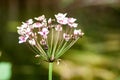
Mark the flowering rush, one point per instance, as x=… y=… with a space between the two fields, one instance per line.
x=50 y=38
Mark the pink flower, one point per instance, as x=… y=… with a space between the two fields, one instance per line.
x=61 y=18
x=40 y=18
x=78 y=32
x=28 y=31
x=21 y=31
x=44 y=32
x=37 y=25
x=25 y=29
x=43 y=42
x=23 y=39
x=73 y=25
x=30 y=21
x=71 y=20
x=49 y=21
x=24 y=25
x=58 y=28
x=66 y=36
x=62 y=21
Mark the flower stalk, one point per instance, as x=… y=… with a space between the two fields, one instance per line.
x=50 y=70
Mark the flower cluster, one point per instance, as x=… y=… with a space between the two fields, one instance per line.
x=50 y=38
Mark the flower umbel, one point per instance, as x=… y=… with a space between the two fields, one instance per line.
x=50 y=38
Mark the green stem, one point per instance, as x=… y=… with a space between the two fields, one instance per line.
x=55 y=44
x=51 y=45
x=50 y=70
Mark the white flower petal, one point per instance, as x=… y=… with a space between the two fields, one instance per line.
x=32 y=42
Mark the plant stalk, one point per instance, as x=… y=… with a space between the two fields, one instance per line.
x=50 y=70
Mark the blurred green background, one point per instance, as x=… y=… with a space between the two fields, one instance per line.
x=96 y=56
